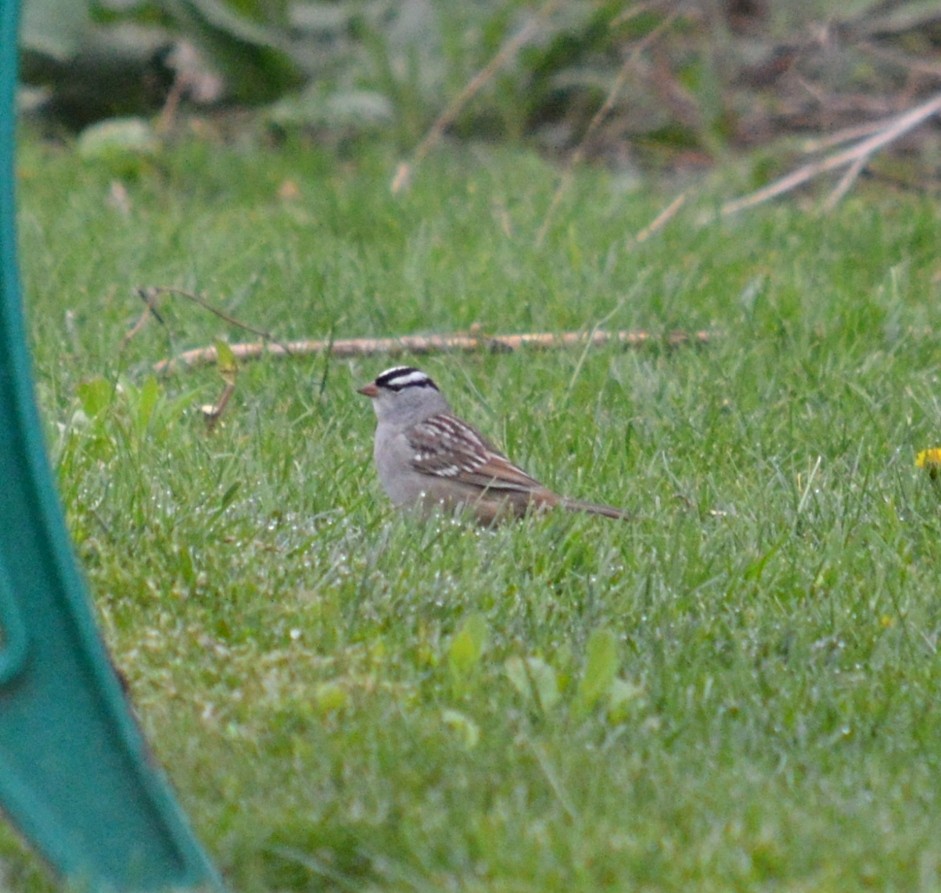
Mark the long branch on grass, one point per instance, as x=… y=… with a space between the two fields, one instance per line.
x=507 y=51
x=855 y=159
x=603 y=111
x=431 y=344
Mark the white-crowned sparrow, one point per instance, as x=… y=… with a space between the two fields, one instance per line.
x=428 y=458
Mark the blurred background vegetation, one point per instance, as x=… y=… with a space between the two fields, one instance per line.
x=671 y=85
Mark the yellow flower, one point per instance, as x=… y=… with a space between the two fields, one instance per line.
x=930 y=460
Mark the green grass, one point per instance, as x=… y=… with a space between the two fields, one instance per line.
x=738 y=691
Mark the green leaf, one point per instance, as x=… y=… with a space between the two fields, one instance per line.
x=95 y=395
x=147 y=399
x=623 y=698
x=330 y=697
x=467 y=647
x=535 y=680
x=229 y=495
x=117 y=137
x=225 y=361
x=601 y=666
x=465 y=728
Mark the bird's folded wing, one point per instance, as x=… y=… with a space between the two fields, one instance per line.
x=447 y=447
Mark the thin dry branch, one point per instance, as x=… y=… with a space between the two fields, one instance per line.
x=603 y=111
x=821 y=143
x=510 y=48
x=212 y=412
x=901 y=59
x=149 y=295
x=846 y=182
x=429 y=344
x=662 y=219
x=856 y=157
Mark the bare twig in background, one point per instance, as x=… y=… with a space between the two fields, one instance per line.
x=403 y=174
x=603 y=111
x=149 y=297
x=428 y=344
x=149 y=294
x=662 y=219
x=200 y=301
x=901 y=59
x=845 y=135
x=856 y=157
x=846 y=183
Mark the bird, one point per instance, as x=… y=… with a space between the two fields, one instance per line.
x=429 y=459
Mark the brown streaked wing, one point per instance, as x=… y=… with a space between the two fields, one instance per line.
x=449 y=448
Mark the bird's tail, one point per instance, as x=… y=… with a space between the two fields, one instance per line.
x=576 y=505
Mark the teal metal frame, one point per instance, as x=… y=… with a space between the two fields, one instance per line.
x=76 y=776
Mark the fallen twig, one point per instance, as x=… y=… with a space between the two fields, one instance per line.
x=603 y=111
x=846 y=183
x=148 y=296
x=856 y=158
x=149 y=293
x=901 y=59
x=427 y=344
x=403 y=174
x=662 y=219
x=821 y=143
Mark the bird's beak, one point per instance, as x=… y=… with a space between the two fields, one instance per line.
x=369 y=390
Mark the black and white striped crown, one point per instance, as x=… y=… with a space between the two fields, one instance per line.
x=401 y=377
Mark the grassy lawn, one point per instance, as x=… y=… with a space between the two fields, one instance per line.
x=737 y=691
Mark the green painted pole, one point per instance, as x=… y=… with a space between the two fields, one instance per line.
x=76 y=777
